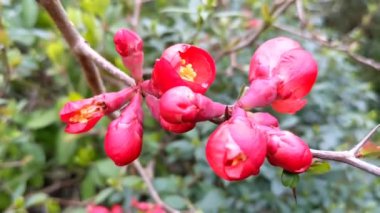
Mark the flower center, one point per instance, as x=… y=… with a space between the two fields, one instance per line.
x=88 y=112
x=187 y=72
x=241 y=157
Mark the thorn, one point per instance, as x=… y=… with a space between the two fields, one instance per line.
x=294 y=192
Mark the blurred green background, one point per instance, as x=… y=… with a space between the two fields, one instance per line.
x=43 y=169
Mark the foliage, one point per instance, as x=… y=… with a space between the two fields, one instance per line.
x=44 y=169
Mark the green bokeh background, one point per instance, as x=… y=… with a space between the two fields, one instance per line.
x=43 y=169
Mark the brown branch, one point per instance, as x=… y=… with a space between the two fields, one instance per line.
x=350 y=156
x=277 y=9
x=331 y=45
x=82 y=51
x=136 y=14
x=152 y=191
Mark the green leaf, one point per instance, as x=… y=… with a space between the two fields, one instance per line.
x=289 y=179
x=41 y=118
x=103 y=195
x=65 y=149
x=107 y=168
x=319 y=167
x=175 y=201
x=95 y=7
x=29 y=13
x=36 y=199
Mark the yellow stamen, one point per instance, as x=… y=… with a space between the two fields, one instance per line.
x=87 y=112
x=241 y=157
x=187 y=72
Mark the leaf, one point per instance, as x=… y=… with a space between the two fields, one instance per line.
x=41 y=118
x=103 y=195
x=175 y=201
x=95 y=7
x=370 y=149
x=265 y=12
x=29 y=13
x=319 y=167
x=66 y=146
x=36 y=199
x=107 y=168
x=289 y=179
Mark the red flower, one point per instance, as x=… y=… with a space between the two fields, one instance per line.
x=181 y=104
x=288 y=151
x=153 y=104
x=263 y=119
x=102 y=209
x=147 y=207
x=80 y=116
x=236 y=149
x=184 y=65
x=130 y=47
x=286 y=67
x=123 y=141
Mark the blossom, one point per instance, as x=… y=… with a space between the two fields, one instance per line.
x=123 y=140
x=153 y=104
x=147 y=207
x=236 y=149
x=263 y=119
x=180 y=104
x=103 y=209
x=288 y=151
x=184 y=65
x=80 y=116
x=129 y=45
x=289 y=72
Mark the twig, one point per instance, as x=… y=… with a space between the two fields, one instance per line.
x=349 y=157
x=331 y=45
x=136 y=14
x=152 y=191
x=301 y=13
x=356 y=148
x=8 y=71
x=84 y=53
x=277 y=9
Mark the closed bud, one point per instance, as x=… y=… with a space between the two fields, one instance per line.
x=130 y=47
x=123 y=141
x=181 y=104
x=288 y=151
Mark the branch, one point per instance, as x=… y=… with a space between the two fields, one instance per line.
x=86 y=54
x=338 y=47
x=277 y=9
x=82 y=51
x=350 y=156
x=152 y=191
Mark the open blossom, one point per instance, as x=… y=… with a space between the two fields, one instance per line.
x=130 y=47
x=181 y=104
x=288 y=151
x=236 y=149
x=123 y=141
x=80 y=116
x=287 y=69
x=103 y=209
x=184 y=65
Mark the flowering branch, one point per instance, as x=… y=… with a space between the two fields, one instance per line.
x=350 y=156
x=331 y=45
x=86 y=55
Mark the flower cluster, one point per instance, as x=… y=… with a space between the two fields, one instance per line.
x=281 y=74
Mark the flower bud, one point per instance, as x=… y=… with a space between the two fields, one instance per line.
x=153 y=104
x=184 y=65
x=261 y=92
x=236 y=149
x=181 y=104
x=123 y=141
x=80 y=116
x=130 y=47
x=262 y=119
x=289 y=68
x=288 y=151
